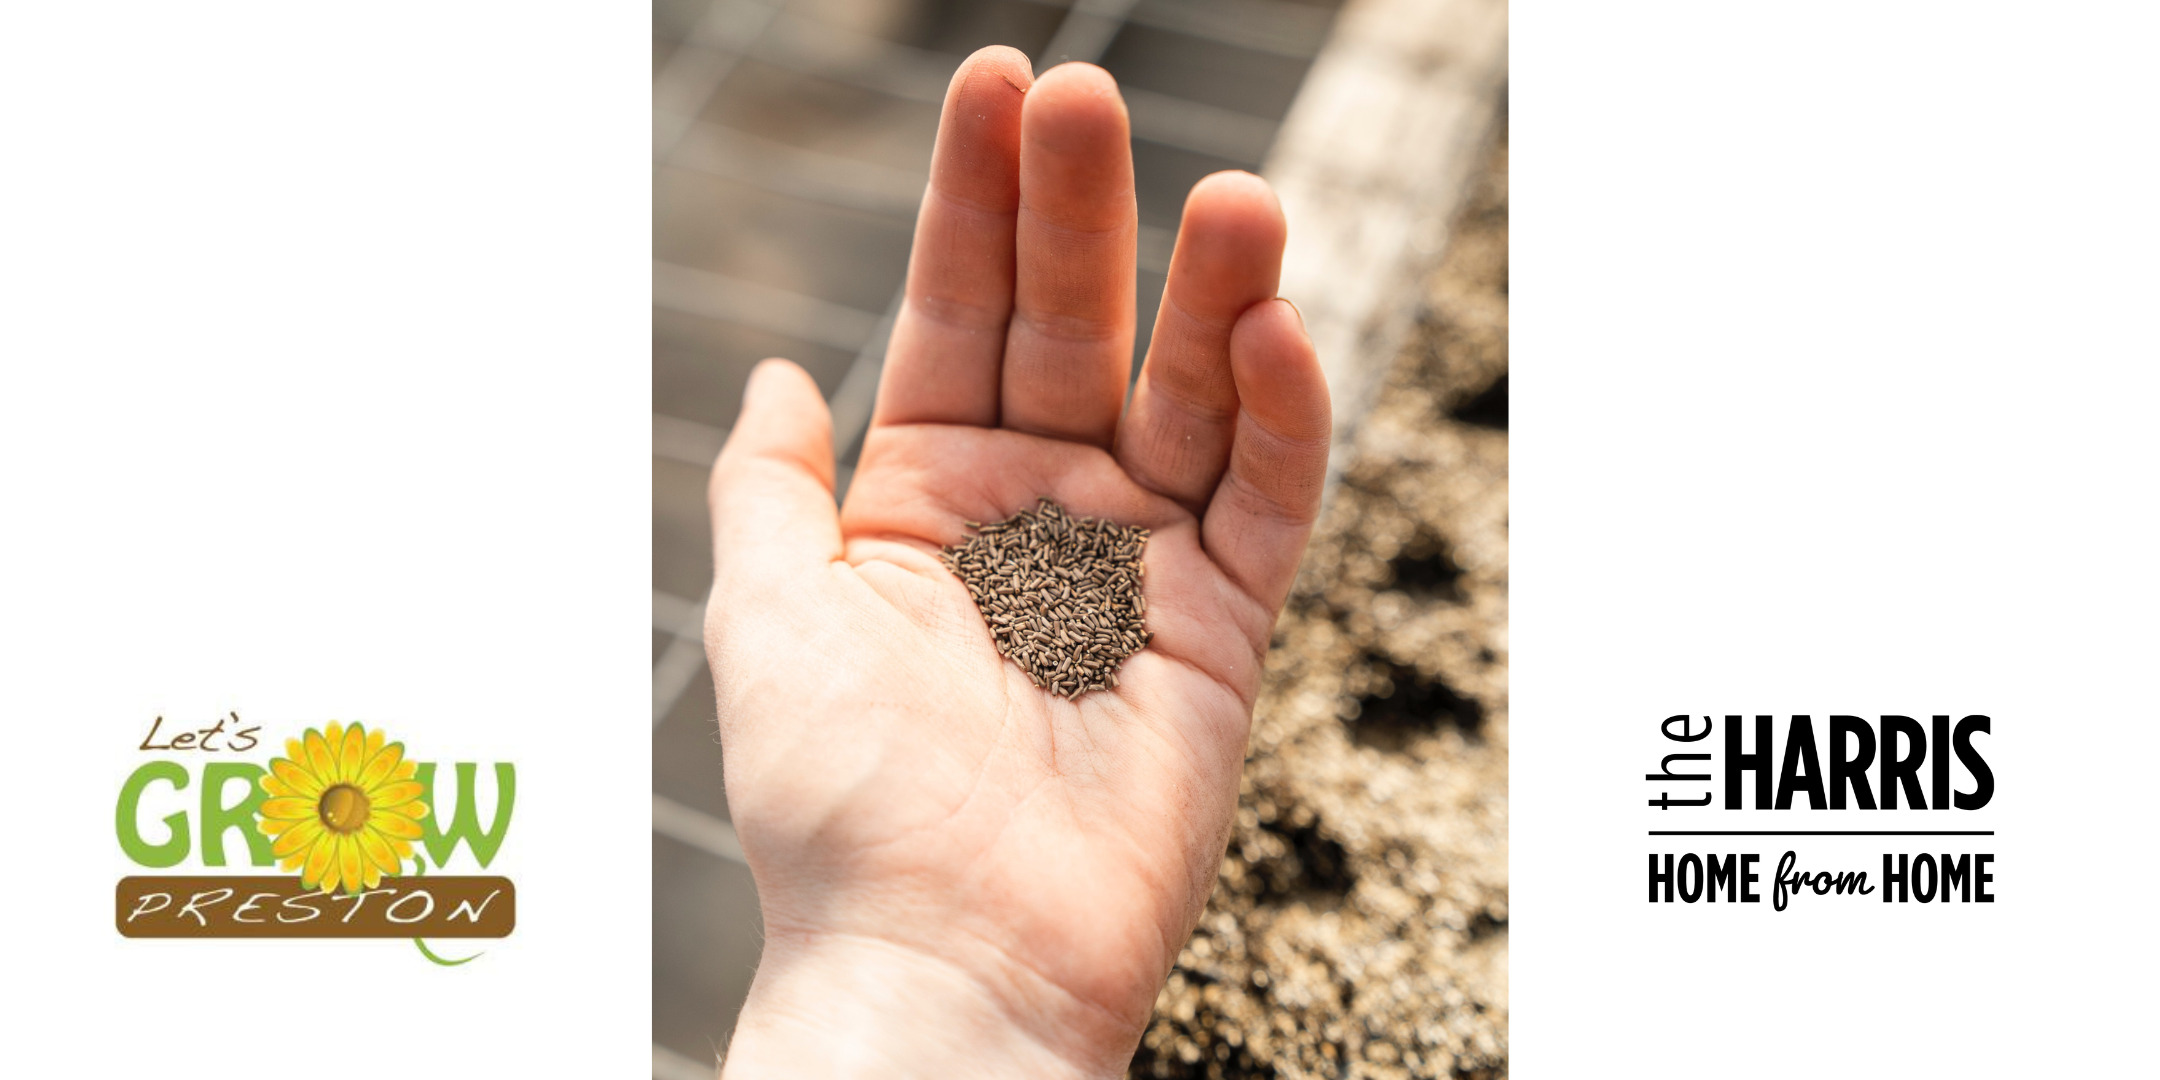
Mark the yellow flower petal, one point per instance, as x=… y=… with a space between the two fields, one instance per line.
x=296 y=838
x=348 y=861
x=278 y=789
x=294 y=809
x=278 y=826
x=397 y=794
x=378 y=768
x=374 y=744
x=350 y=753
x=406 y=770
x=411 y=809
x=395 y=825
x=321 y=760
x=400 y=845
x=377 y=850
x=319 y=860
x=296 y=776
x=370 y=875
x=292 y=862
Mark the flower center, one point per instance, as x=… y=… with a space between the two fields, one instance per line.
x=344 y=808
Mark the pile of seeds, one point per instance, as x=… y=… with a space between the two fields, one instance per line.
x=1061 y=594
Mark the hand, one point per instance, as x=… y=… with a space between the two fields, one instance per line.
x=959 y=872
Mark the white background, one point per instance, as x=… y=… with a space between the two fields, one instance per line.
x=1834 y=356
x=326 y=396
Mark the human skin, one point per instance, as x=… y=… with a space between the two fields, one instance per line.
x=960 y=873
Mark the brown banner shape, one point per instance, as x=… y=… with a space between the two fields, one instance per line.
x=278 y=907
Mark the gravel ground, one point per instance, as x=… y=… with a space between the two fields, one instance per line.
x=1359 y=923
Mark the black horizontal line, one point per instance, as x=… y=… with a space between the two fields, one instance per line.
x=1822 y=832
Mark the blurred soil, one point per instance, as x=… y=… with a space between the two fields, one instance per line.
x=1359 y=925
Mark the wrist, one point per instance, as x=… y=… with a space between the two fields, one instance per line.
x=848 y=1005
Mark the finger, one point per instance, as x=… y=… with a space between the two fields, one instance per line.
x=772 y=489
x=1070 y=344
x=942 y=364
x=1263 y=509
x=1175 y=436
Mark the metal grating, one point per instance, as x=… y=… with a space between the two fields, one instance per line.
x=791 y=143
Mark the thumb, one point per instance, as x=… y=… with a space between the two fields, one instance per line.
x=773 y=514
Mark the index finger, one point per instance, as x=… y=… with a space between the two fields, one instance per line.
x=949 y=336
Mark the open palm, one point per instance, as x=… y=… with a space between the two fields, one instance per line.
x=907 y=799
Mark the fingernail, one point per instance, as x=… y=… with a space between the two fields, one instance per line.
x=1294 y=310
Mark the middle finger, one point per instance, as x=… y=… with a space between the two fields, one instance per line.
x=1069 y=347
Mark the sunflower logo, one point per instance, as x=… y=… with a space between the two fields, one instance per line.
x=343 y=809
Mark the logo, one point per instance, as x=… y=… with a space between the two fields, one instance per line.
x=350 y=821
x=1893 y=765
